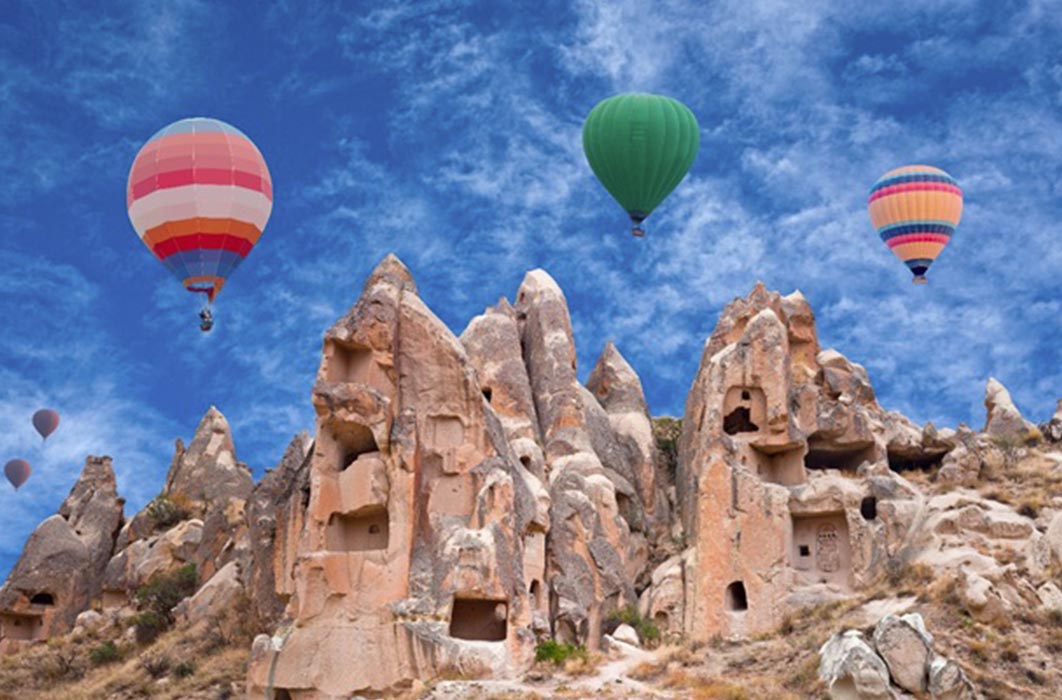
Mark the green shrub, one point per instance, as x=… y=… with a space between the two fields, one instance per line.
x=104 y=654
x=184 y=669
x=647 y=630
x=165 y=513
x=557 y=653
x=164 y=591
x=149 y=625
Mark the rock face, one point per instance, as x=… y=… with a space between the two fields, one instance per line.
x=276 y=515
x=1052 y=430
x=466 y=496
x=784 y=482
x=61 y=568
x=198 y=518
x=1004 y=420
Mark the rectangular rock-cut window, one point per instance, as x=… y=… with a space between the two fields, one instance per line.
x=349 y=363
x=361 y=531
x=481 y=620
x=823 y=455
x=20 y=627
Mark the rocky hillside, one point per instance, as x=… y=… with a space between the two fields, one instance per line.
x=468 y=519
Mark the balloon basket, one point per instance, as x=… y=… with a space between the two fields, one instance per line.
x=920 y=280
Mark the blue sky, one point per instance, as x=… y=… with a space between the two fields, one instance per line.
x=449 y=133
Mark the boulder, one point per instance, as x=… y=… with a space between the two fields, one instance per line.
x=947 y=681
x=1003 y=420
x=1052 y=430
x=905 y=646
x=218 y=595
x=627 y=635
x=851 y=670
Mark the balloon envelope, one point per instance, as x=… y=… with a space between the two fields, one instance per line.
x=17 y=471
x=199 y=195
x=915 y=210
x=640 y=147
x=45 y=421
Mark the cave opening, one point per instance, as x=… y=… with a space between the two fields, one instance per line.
x=736 y=600
x=43 y=599
x=868 y=508
x=479 y=620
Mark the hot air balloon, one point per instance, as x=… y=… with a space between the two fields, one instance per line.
x=17 y=471
x=915 y=209
x=45 y=421
x=640 y=147
x=199 y=195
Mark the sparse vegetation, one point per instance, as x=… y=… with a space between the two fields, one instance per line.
x=162 y=593
x=666 y=431
x=165 y=512
x=558 y=653
x=647 y=630
x=104 y=654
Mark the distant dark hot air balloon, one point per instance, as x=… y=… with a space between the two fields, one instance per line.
x=45 y=421
x=17 y=471
x=199 y=195
x=640 y=147
x=915 y=210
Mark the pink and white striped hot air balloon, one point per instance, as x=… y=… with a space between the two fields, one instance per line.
x=199 y=195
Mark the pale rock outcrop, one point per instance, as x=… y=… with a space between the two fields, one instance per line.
x=219 y=594
x=906 y=647
x=664 y=600
x=616 y=387
x=276 y=514
x=851 y=669
x=411 y=560
x=1052 y=430
x=207 y=473
x=61 y=568
x=1004 y=421
x=627 y=635
x=589 y=547
x=1050 y=596
x=783 y=482
x=903 y=651
x=211 y=487
x=947 y=681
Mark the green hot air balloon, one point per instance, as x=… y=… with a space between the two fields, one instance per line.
x=640 y=147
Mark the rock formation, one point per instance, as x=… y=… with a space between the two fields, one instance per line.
x=467 y=496
x=1004 y=420
x=901 y=656
x=784 y=481
x=464 y=498
x=61 y=567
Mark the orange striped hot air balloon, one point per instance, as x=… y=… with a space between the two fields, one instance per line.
x=915 y=210
x=199 y=195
